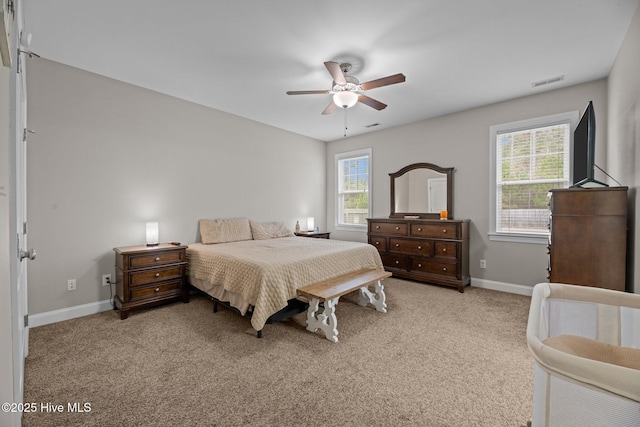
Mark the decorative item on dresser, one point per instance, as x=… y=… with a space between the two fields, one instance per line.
x=150 y=275
x=588 y=237
x=420 y=240
x=426 y=250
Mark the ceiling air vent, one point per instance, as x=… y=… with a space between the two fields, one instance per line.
x=548 y=81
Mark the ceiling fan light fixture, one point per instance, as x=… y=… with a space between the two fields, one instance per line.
x=345 y=99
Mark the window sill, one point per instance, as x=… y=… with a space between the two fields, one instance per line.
x=360 y=228
x=537 y=239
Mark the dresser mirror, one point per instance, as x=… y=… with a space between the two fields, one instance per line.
x=422 y=190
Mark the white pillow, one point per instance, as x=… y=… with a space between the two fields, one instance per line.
x=269 y=230
x=224 y=230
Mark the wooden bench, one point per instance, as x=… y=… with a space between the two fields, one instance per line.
x=329 y=292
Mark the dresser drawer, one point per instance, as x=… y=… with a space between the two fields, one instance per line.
x=159 y=290
x=379 y=242
x=442 y=231
x=408 y=246
x=143 y=277
x=394 y=261
x=156 y=258
x=388 y=228
x=433 y=267
x=446 y=249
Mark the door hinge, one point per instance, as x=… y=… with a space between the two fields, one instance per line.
x=26 y=320
x=25 y=131
x=24 y=228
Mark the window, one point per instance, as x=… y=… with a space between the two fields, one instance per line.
x=529 y=158
x=353 y=204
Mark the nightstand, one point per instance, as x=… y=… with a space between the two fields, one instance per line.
x=316 y=234
x=150 y=275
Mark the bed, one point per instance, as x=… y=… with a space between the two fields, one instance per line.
x=260 y=271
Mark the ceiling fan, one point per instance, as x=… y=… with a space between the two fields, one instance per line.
x=347 y=90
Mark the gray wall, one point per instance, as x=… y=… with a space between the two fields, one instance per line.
x=461 y=140
x=624 y=133
x=109 y=156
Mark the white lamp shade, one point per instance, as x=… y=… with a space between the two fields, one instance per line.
x=310 y=224
x=152 y=233
x=345 y=99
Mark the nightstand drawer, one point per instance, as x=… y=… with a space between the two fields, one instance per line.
x=160 y=290
x=138 y=278
x=156 y=258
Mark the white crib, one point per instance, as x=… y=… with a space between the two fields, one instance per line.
x=572 y=387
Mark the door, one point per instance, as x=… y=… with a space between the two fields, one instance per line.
x=18 y=141
x=437 y=194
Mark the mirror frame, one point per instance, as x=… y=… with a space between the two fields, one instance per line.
x=448 y=173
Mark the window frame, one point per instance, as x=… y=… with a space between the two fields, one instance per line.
x=542 y=238
x=338 y=208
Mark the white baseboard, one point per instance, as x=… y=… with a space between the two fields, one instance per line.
x=54 y=316
x=502 y=286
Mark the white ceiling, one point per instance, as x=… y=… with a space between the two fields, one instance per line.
x=242 y=56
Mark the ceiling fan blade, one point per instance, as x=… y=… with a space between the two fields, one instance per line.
x=329 y=108
x=372 y=102
x=307 y=92
x=384 y=81
x=336 y=72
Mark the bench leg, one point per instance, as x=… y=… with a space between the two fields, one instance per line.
x=377 y=297
x=325 y=320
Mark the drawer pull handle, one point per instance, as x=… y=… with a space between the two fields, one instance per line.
x=420 y=265
x=397 y=228
x=444 y=268
x=157 y=274
x=377 y=226
x=397 y=245
x=157 y=258
x=444 y=231
x=157 y=289
x=377 y=243
x=420 y=248
x=397 y=262
x=419 y=229
x=444 y=250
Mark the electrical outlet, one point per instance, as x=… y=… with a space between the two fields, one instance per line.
x=106 y=279
x=483 y=263
x=71 y=284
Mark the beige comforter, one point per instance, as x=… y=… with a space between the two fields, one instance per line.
x=267 y=272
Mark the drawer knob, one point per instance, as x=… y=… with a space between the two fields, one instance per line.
x=419 y=229
x=420 y=248
x=157 y=274
x=397 y=245
x=377 y=226
x=397 y=228
x=397 y=262
x=444 y=249
x=377 y=243
x=157 y=258
x=444 y=231
x=157 y=289
x=444 y=268
x=419 y=265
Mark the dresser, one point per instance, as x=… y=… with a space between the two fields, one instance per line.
x=588 y=237
x=427 y=250
x=147 y=276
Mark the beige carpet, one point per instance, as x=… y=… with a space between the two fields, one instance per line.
x=436 y=358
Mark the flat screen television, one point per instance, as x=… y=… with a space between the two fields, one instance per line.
x=584 y=150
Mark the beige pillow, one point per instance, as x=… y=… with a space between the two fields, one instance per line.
x=224 y=230
x=269 y=230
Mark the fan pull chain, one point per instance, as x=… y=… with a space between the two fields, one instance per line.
x=345 y=122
